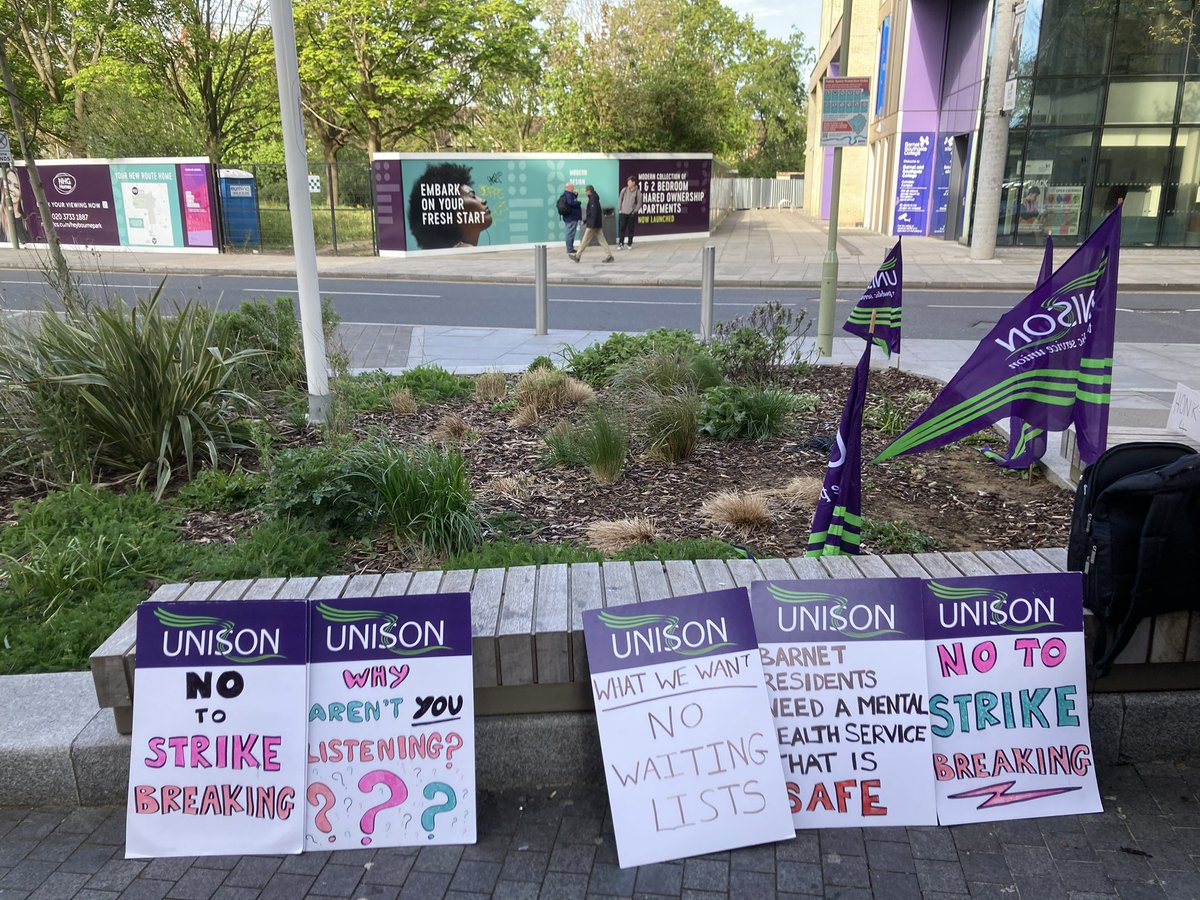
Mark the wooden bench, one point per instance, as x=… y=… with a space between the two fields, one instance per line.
x=527 y=622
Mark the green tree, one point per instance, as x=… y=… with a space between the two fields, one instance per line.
x=773 y=90
x=390 y=69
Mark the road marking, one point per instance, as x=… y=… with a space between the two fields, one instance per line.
x=646 y=302
x=344 y=293
x=94 y=284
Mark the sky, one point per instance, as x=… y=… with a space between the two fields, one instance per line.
x=776 y=17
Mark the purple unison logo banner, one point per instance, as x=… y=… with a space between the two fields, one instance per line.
x=1007 y=697
x=217 y=753
x=1048 y=361
x=844 y=663
x=676 y=194
x=685 y=727
x=880 y=305
x=391 y=723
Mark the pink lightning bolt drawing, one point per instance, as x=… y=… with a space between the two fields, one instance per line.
x=998 y=794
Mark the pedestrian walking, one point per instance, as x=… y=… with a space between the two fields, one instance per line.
x=593 y=221
x=571 y=212
x=629 y=201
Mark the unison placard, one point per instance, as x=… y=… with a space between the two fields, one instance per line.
x=844 y=663
x=391 y=722
x=217 y=758
x=685 y=727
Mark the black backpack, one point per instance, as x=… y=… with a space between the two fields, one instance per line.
x=563 y=207
x=1135 y=534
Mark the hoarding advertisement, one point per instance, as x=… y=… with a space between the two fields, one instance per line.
x=463 y=202
x=153 y=204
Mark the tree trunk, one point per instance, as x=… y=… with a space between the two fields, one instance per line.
x=331 y=166
x=60 y=276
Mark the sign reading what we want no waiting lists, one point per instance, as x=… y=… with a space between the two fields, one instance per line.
x=685 y=727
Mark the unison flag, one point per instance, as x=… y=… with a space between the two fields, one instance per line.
x=882 y=299
x=1048 y=361
x=837 y=522
x=1026 y=443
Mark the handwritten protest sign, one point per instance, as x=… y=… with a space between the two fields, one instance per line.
x=685 y=727
x=217 y=759
x=844 y=663
x=391 y=718
x=1008 y=707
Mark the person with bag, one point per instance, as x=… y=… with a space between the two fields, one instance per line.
x=570 y=210
x=593 y=221
x=629 y=201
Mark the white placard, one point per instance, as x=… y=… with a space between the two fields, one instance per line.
x=1185 y=412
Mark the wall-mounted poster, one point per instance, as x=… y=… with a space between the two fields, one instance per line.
x=685 y=727
x=391 y=720
x=468 y=201
x=217 y=753
x=914 y=183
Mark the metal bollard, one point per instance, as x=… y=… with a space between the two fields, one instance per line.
x=541 y=301
x=708 y=273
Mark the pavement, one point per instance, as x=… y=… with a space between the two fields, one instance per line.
x=551 y=843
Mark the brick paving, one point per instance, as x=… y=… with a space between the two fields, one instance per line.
x=559 y=844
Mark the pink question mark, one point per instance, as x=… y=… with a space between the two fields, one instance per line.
x=451 y=747
x=316 y=791
x=396 y=788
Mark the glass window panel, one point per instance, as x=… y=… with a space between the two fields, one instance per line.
x=1031 y=28
x=1075 y=37
x=1132 y=166
x=1050 y=196
x=1018 y=117
x=1181 y=218
x=1066 y=101
x=1010 y=188
x=1190 y=111
x=1152 y=37
x=1141 y=102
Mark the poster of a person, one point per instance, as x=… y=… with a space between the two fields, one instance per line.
x=11 y=207
x=1031 y=216
x=444 y=210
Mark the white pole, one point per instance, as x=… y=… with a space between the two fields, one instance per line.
x=993 y=145
x=283 y=31
x=708 y=278
x=541 y=297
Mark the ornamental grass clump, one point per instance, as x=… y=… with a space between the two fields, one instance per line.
x=491 y=387
x=600 y=443
x=124 y=389
x=612 y=537
x=742 y=511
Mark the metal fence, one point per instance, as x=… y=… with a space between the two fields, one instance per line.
x=768 y=193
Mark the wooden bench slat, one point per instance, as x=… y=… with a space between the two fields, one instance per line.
x=393 y=584
x=683 y=577
x=807 y=567
x=619 y=587
x=329 y=587
x=776 y=570
x=904 y=566
x=1138 y=648
x=486 y=594
x=937 y=565
x=297 y=588
x=1169 y=638
x=515 y=635
x=744 y=571
x=425 y=583
x=457 y=581
x=264 y=588
x=839 y=567
x=1056 y=556
x=362 y=586
x=871 y=566
x=714 y=574
x=1031 y=561
x=552 y=624
x=586 y=592
x=968 y=563
x=232 y=590
x=200 y=590
x=999 y=562
x=651 y=580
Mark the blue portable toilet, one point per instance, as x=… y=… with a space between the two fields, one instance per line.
x=239 y=208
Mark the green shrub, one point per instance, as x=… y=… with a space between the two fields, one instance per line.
x=755 y=349
x=732 y=412
x=316 y=484
x=506 y=553
x=597 y=364
x=599 y=442
x=125 y=389
x=215 y=489
x=425 y=495
x=279 y=548
x=540 y=362
x=665 y=370
x=373 y=391
x=885 y=415
x=897 y=537
x=433 y=384
x=670 y=423
x=687 y=548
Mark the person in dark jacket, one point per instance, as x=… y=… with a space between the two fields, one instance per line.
x=569 y=201
x=629 y=201
x=593 y=220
